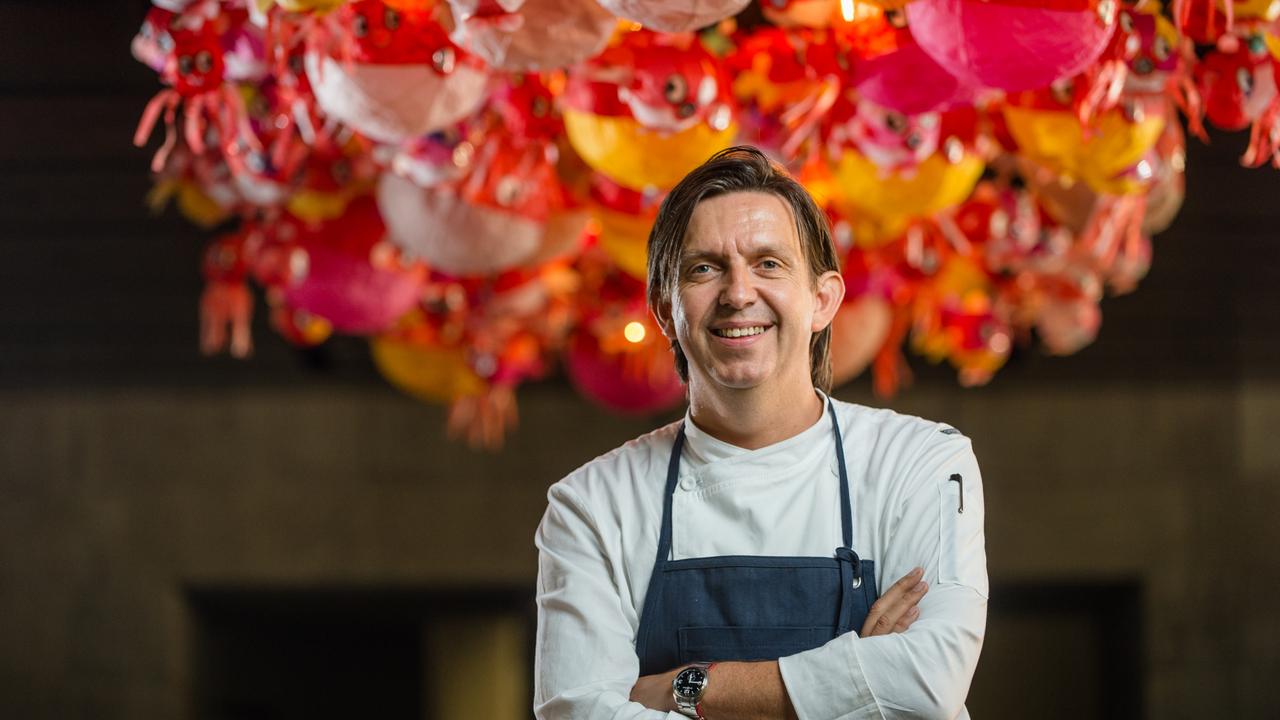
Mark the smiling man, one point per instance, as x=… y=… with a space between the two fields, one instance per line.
x=728 y=566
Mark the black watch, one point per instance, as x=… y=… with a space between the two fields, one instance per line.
x=689 y=687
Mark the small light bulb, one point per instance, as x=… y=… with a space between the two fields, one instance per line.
x=633 y=332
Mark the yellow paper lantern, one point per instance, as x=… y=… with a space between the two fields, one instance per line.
x=436 y=374
x=1099 y=156
x=625 y=239
x=882 y=204
x=637 y=157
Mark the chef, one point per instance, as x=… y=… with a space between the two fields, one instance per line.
x=777 y=553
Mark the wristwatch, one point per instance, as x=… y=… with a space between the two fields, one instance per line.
x=689 y=687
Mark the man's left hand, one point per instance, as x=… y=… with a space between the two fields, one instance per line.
x=654 y=691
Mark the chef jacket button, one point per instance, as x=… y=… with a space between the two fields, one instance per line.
x=686 y=484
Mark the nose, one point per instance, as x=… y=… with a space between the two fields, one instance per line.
x=739 y=290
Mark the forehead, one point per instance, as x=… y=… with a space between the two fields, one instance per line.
x=741 y=221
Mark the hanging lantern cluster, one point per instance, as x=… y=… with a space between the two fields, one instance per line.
x=470 y=183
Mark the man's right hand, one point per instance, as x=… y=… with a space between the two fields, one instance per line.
x=896 y=609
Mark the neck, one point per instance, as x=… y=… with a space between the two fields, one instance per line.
x=752 y=419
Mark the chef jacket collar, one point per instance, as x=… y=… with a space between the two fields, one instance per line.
x=704 y=454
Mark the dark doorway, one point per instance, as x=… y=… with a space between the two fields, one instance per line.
x=1061 y=650
x=314 y=654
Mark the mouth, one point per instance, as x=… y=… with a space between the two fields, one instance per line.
x=739 y=332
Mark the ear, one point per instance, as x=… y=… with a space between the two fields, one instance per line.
x=828 y=293
x=662 y=314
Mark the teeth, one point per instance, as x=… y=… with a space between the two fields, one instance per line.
x=740 y=332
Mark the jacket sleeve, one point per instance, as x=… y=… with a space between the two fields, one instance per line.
x=925 y=671
x=585 y=662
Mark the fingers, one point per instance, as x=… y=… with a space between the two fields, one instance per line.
x=896 y=609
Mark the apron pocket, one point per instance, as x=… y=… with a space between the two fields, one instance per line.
x=748 y=643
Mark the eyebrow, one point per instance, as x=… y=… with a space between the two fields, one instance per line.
x=766 y=248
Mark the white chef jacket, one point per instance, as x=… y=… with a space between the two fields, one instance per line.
x=598 y=539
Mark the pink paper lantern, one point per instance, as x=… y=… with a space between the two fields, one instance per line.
x=346 y=273
x=606 y=380
x=908 y=80
x=1013 y=44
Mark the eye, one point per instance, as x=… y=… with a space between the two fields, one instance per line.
x=1062 y=91
x=770 y=264
x=443 y=60
x=700 y=269
x=360 y=27
x=204 y=61
x=1245 y=80
x=507 y=192
x=391 y=19
x=1161 y=49
x=895 y=122
x=341 y=172
x=675 y=90
x=256 y=163
x=185 y=64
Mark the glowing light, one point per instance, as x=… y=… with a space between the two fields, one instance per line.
x=633 y=332
x=858 y=10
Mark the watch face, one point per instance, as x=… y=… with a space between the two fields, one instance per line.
x=690 y=681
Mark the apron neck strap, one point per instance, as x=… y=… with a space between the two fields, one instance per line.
x=673 y=476
x=846 y=512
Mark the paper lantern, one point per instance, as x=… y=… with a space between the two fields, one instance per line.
x=1168 y=161
x=1012 y=44
x=508 y=211
x=800 y=13
x=648 y=110
x=881 y=204
x=153 y=42
x=907 y=79
x=639 y=382
x=640 y=158
x=956 y=319
x=858 y=331
x=344 y=272
x=624 y=218
x=539 y=35
x=434 y=373
x=461 y=238
x=889 y=139
x=1068 y=325
x=1100 y=155
x=393 y=75
x=675 y=16
x=1237 y=85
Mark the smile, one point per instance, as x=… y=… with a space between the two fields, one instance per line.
x=739 y=332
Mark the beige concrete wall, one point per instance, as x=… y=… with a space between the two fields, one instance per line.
x=111 y=502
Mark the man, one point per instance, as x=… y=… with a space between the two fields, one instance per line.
x=727 y=566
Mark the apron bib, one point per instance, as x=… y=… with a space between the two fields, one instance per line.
x=750 y=607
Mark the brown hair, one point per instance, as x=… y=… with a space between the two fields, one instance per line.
x=739 y=169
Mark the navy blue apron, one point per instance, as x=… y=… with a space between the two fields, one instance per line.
x=747 y=607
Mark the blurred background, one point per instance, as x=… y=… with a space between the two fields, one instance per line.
x=287 y=536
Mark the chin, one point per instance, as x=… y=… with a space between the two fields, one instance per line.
x=738 y=380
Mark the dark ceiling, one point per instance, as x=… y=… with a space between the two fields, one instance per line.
x=95 y=291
